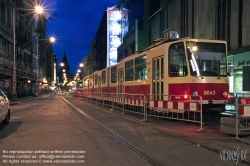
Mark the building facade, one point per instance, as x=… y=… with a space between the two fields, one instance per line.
x=30 y=35
x=92 y=61
x=213 y=19
x=97 y=55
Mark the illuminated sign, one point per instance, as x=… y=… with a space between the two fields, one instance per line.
x=243 y=62
x=114 y=34
x=125 y=24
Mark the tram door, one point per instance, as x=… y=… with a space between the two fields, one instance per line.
x=120 y=82
x=158 y=73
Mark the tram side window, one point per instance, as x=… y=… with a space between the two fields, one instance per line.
x=79 y=85
x=162 y=67
x=129 y=73
x=177 y=60
x=96 y=79
x=114 y=74
x=90 y=81
x=140 y=68
x=104 y=77
x=85 y=82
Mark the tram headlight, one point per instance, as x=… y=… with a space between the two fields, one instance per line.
x=195 y=93
x=224 y=94
x=194 y=48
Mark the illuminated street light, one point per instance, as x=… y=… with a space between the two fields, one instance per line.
x=81 y=64
x=39 y=9
x=52 y=39
x=62 y=64
x=78 y=70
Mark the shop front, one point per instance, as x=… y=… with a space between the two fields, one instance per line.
x=235 y=65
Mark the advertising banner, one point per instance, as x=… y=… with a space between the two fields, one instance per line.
x=114 y=34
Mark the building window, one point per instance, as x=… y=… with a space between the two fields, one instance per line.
x=1 y=45
x=3 y=13
x=132 y=46
x=5 y=47
x=9 y=49
x=154 y=6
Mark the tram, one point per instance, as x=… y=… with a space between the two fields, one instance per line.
x=78 y=87
x=171 y=68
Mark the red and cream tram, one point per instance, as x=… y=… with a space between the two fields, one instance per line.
x=170 y=69
x=78 y=86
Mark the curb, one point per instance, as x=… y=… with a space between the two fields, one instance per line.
x=22 y=101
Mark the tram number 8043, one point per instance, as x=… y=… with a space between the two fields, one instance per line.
x=209 y=92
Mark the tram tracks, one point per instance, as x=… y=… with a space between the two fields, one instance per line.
x=207 y=120
x=116 y=136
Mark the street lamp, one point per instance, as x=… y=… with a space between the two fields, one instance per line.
x=80 y=70
x=62 y=64
x=14 y=58
x=38 y=10
x=51 y=40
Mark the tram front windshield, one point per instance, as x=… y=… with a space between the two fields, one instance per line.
x=79 y=85
x=207 y=59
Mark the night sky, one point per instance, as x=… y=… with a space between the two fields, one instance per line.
x=74 y=23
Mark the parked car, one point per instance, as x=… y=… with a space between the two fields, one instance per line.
x=4 y=108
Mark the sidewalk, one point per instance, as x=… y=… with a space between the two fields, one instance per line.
x=21 y=99
x=28 y=98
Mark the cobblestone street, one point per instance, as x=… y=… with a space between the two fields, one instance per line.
x=41 y=106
